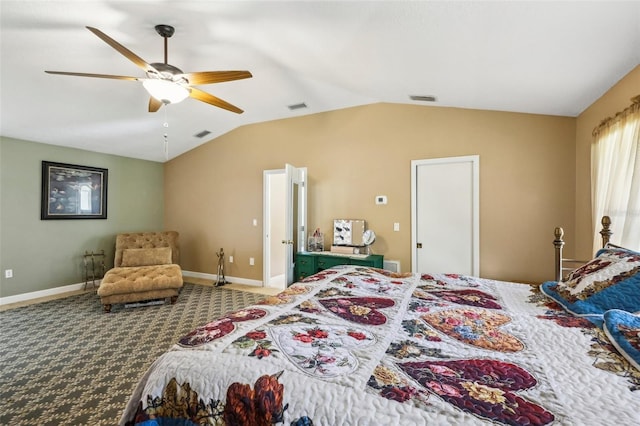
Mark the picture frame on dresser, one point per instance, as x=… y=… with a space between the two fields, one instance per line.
x=71 y=191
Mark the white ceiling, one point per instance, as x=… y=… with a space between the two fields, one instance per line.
x=536 y=57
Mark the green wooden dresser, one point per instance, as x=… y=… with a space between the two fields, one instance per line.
x=308 y=263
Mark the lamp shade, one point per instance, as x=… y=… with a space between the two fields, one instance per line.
x=166 y=91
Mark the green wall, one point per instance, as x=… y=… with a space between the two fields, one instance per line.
x=45 y=254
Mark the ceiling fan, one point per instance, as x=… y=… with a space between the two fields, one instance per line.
x=165 y=83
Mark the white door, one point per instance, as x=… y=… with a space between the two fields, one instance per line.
x=445 y=217
x=295 y=216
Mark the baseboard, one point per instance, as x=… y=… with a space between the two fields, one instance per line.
x=279 y=281
x=24 y=297
x=214 y=277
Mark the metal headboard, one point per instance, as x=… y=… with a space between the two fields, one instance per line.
x=561 y=263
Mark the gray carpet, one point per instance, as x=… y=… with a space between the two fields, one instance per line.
x=65 y=362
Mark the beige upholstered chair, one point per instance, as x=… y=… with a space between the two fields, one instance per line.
x=146 y=267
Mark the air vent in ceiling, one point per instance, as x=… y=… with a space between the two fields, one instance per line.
x=202 y=134
x=301 y=105
x=423 y=98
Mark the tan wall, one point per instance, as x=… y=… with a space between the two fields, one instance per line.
x=527 y=171
x=614 y=100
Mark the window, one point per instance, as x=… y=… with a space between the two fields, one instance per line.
x=615 y=176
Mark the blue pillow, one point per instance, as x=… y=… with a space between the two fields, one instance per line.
x=623 y=329
x=610 y=281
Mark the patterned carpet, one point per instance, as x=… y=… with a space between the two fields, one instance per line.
x=65 y=362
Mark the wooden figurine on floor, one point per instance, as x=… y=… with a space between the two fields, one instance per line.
x=221 y=280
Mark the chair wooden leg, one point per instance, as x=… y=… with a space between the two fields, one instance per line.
x=174 y=299
x=107 y=307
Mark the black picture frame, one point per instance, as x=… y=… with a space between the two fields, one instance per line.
x=70 y=191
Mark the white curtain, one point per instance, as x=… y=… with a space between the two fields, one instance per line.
x=615 y=177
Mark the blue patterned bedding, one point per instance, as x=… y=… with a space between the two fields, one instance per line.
x=609 y=281
x=623 y=330
x=363 y=346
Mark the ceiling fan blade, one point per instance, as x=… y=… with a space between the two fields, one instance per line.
x=123 y=50
x=154 y=104
x=82 y=74
x=208 y=77
x=210 y=99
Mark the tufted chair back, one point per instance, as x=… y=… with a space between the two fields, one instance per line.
x=141 y=240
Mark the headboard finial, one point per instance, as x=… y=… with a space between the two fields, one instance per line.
x=558 y=243
x=606 y=230
x=559 y=233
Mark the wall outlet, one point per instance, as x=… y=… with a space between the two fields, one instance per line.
x=230 y=259
x=396 y=226
x=252 y=261
x=8 y=273
x=381 y=199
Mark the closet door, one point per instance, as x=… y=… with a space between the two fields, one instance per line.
x=445 y=215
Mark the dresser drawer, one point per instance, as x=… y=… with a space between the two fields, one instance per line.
x=326 y=262
x=309 y=263
x=305 y=266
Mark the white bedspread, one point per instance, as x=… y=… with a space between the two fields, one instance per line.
x=361 y=346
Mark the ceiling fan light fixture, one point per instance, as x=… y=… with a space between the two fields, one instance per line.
x=166 y=91
x=165 y=83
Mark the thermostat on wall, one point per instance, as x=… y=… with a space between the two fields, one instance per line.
x=381 y=199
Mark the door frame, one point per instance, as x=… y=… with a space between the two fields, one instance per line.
x=296 y=178
x=475 y=164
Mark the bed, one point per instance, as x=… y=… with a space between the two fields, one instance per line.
x=354 y=345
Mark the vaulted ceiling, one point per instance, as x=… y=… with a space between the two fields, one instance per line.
x=537 y=57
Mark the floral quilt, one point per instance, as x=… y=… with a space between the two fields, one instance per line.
x=363 y=346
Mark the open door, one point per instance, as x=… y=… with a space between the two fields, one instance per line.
x=285 y=220
x=295 y=216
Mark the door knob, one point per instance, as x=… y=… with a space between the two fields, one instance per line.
x=419 y=245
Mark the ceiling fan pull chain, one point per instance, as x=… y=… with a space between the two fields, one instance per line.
x=166 y=136
x=166 y=147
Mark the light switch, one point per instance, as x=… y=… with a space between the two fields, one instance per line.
x=396 y=226
x=255 y=222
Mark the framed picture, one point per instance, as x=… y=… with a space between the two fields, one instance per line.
x=73 y=192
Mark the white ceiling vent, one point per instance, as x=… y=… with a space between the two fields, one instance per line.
x=294 y=107
x=423 y=98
